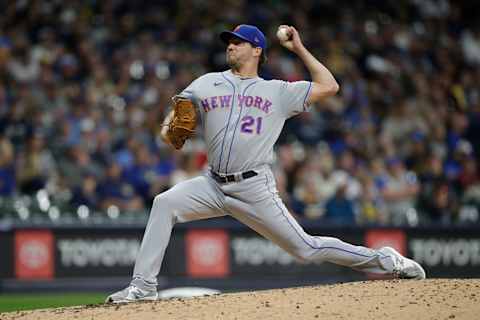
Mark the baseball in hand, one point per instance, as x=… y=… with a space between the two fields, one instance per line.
x=283 y=34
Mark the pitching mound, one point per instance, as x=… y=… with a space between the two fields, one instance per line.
x=392 y=299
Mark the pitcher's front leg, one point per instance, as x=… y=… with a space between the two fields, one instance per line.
x=190 y=200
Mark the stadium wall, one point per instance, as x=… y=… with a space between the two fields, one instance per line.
x=221 y=255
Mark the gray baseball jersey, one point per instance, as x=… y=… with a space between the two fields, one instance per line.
x=242 y=119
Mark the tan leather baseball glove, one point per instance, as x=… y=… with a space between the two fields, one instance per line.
x=182 y=125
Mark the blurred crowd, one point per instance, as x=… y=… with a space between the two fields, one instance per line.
x=84 y=86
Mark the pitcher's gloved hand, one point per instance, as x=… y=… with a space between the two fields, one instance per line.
x=182 y=125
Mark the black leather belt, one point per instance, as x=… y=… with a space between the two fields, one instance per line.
x=232 y=177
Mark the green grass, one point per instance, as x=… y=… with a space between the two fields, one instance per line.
x=29 y=301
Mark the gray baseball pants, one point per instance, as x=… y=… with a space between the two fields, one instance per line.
x=254 y=202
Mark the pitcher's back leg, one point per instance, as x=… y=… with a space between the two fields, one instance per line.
x=270 y=218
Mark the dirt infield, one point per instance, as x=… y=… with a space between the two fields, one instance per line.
x=391 y=299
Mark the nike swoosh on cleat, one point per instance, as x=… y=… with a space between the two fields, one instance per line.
x=217 y=83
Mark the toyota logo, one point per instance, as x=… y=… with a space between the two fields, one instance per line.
x=34 y=254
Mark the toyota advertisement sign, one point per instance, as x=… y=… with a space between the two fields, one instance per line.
x=34 y=257
x=221 y=253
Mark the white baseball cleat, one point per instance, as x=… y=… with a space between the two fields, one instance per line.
x=131 y=294
x=404 y=268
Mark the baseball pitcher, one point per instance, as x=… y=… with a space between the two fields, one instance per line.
x=241 y=116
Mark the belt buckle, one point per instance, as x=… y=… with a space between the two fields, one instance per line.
x=225 y=178
x=238 y=177
x=220 y=177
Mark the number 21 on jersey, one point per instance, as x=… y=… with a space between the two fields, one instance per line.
x=251 y=125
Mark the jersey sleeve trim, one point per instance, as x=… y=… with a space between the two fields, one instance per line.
x=306 y=96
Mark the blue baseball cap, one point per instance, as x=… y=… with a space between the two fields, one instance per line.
x=247 y=33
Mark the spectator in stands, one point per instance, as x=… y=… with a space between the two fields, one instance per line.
x=7 y=167
x=469 y=175
x=86 y=194
x=114 y=190
x=289 y=156
x=371 y=205
x=346 y=174
x=399 y=191
x=76 y=163
x=432 y=174
x=308 y=193
x=339 y=209
x=143 y=175
x=22 y=66
x=308 y=127
x=315 y=183
x=36 y=166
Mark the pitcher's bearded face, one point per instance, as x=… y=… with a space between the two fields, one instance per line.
x=238 y=52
